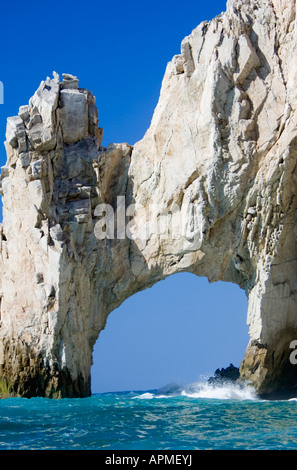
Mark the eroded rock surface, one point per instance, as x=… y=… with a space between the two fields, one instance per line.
x=53 y=297
x=210 y=189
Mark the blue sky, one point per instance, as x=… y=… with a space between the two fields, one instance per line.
x=183 y=327
x=180 y=330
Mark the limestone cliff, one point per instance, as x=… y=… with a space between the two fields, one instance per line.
x=210 y=189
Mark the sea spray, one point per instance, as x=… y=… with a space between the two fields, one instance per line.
x=226 y=391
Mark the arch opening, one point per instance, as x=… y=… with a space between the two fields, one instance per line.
x=178 y=331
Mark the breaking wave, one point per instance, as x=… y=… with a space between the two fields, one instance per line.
x=225 y=391
x=221 y=392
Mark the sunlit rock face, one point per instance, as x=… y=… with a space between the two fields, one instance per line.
x=56 y=289
x=210 y=189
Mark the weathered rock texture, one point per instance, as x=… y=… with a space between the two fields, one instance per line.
x=212 y=184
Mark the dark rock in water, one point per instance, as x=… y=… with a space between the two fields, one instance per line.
x=230 y=374
x=170 y=389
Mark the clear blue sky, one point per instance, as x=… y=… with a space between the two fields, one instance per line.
x=183 y=327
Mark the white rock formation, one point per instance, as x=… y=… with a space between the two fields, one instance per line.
x=210 y=189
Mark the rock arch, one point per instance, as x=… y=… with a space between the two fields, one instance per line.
x=217 y=166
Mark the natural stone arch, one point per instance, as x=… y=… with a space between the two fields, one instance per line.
x=218 y=160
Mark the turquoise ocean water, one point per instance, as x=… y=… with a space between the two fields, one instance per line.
x=197 y=417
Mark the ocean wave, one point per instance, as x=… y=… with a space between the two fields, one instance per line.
x=145 y=396
x=227 y=391
x=149 y=396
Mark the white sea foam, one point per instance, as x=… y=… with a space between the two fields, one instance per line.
x=145 y=396
x=227 y=391
x=222 y=392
